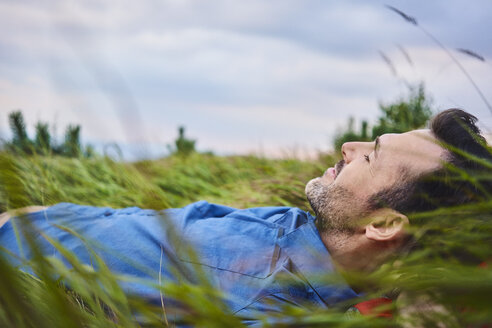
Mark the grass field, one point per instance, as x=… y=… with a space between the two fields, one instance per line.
x=95 y=300
x=237 y=181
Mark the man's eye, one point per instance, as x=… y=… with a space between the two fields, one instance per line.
x=367 y=158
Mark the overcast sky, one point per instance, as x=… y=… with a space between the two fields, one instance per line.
x=267 y=76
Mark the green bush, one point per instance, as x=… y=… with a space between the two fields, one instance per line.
x=397 y=117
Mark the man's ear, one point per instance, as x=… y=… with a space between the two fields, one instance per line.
x=386 y=225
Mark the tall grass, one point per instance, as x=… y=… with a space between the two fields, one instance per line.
x=440 y=283
x=412 y=20
x=240 y=181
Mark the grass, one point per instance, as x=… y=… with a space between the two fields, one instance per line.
x=95 y=299
x=238 y=181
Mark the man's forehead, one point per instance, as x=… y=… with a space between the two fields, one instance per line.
x=422 y=133
x=419 y=149
x=412 y=138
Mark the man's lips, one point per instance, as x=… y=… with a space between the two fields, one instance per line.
x=330 y=174
x=331 y=171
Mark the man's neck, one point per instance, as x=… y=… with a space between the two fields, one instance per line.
x=352 y=252
x=341 y=248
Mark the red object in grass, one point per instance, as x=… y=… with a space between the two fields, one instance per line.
x=377 y=307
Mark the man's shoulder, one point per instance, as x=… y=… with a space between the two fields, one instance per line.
x=283 y=216
x=243 y=243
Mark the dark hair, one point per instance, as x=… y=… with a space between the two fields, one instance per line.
x=463 y=179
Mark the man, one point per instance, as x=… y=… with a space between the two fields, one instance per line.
x=263 y=259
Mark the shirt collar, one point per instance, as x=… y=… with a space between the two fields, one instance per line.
x=310 y=256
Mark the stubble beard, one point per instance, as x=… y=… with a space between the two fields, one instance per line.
x=336 y=208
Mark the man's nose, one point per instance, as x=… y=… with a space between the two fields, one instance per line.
x=347 y=152
x=352 y=150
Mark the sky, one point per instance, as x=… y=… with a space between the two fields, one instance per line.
x=269 y=77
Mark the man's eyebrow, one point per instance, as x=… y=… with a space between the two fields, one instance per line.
x=376 y=147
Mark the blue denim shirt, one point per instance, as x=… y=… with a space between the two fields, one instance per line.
x=260 y=258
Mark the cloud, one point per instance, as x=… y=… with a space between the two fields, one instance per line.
x=274 y=73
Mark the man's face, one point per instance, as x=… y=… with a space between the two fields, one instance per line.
x=340 y=197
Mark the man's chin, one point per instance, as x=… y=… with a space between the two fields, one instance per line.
x=325 y=180
x=310 y=185
x=316 y=191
